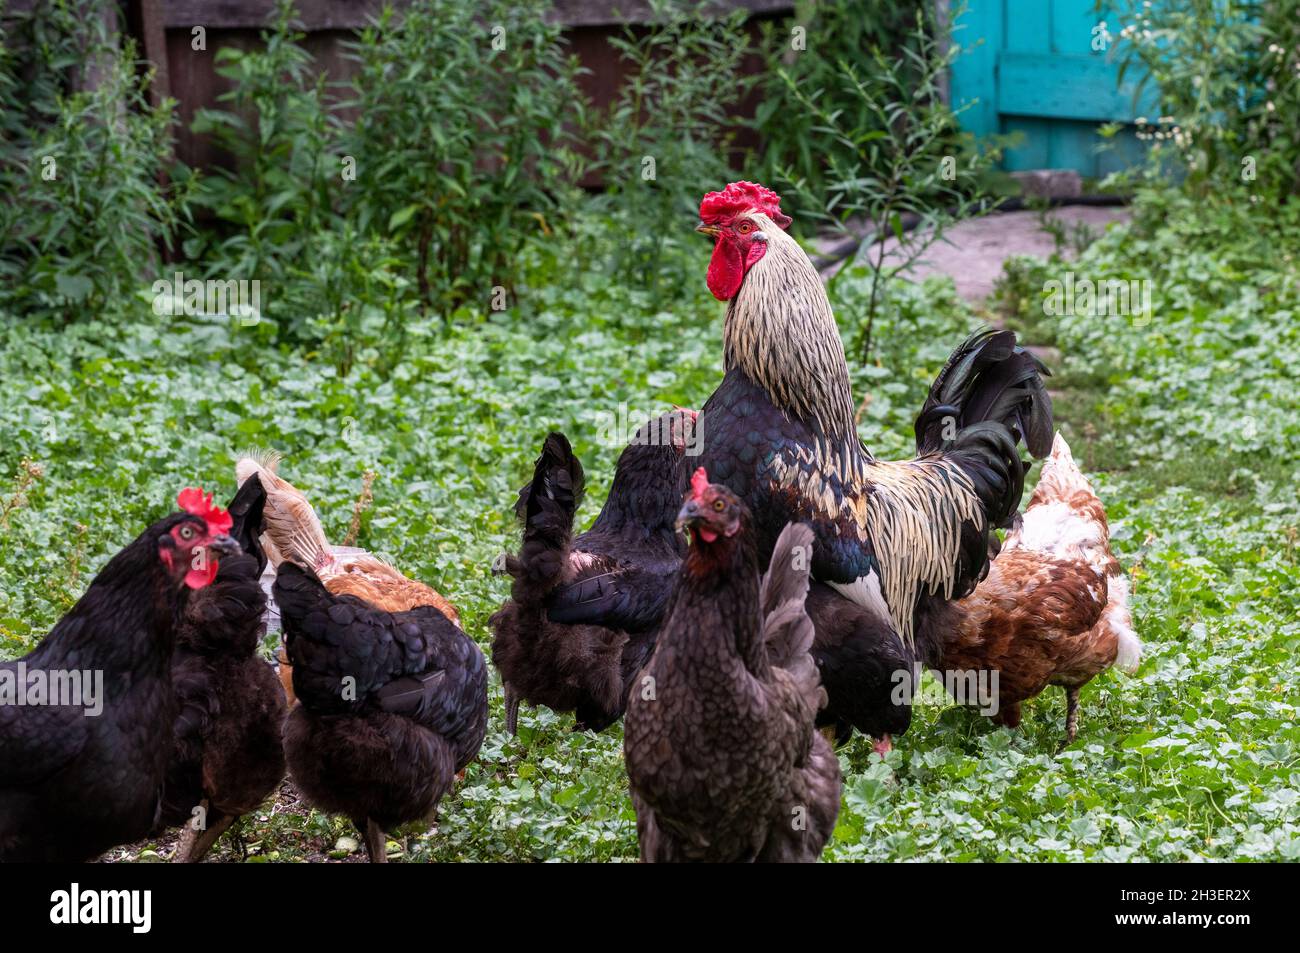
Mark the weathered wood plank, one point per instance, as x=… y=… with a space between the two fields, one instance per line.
x=153 y=40
x=354 y=14
x=972 y=86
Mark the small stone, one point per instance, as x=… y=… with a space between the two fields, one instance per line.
x=1050 y=183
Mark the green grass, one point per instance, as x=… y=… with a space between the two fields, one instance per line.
x=1188 y=426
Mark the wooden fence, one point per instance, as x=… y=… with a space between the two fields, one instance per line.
x=163 y=32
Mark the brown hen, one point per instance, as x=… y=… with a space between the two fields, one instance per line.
x=293 y=532
x=1053 y=609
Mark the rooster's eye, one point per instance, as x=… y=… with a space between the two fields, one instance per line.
x=719 y=505
x=187 y=532
x=744 y=228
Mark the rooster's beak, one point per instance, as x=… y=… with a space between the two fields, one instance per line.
x=711 y=230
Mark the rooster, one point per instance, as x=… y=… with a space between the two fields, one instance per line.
x=722 y=755
x=1054 y=607
x=228 y=755
x=292 y=531
x=79 y=776
x=895 y=538
x=584 y=610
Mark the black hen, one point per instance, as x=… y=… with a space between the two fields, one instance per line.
x=228 y=755
x=722 y=757
x=391 y=705
x=86 y=774
x=584 y=612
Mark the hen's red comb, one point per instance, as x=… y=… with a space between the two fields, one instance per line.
x=740 y=197
x=699 y=483
x=193 y=501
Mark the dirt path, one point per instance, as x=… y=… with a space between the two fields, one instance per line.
x=972 y=252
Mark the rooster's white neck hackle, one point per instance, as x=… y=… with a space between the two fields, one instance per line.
x=780 y=331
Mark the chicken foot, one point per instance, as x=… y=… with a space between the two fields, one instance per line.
x=194 y=845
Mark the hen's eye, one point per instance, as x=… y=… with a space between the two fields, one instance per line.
x=187 y=532
x=719 y=505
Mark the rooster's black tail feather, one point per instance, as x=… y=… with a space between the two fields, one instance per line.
x=989 y=378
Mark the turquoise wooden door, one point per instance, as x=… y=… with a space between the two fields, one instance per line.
x=1040 y=72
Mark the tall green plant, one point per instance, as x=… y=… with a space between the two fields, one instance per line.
x=283 y=184
x=462 y=141
x=82 y=157
x=893 y=155
x=1227 y=73
x=665 y=137
x=804 y=51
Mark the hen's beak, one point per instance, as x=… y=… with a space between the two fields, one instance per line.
x=711 y=230
x=688 y=515
x=224 y=546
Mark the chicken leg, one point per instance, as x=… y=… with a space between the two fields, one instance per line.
x=195 y=844
x=376 y=842
x=1071 y=712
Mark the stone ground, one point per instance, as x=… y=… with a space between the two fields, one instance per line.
x=972 y=252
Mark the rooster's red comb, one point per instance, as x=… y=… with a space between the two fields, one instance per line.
x=740 y=197
x=195 y=502
x=699 y=483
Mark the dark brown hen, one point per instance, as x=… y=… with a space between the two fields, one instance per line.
x=230 y=706
x=584 y=611
x=390 y=704
x=722 y=755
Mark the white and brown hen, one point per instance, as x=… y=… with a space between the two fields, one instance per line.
x=1053 y=609
x=292 y=531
